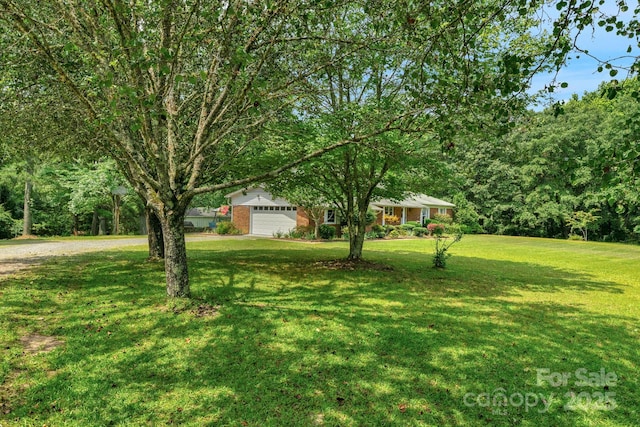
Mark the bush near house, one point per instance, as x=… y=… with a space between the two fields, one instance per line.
x=408 y=226
x=227 y=227
x=442 y=219
x=436 y=229
x=420 y=231
x=326 y=232
x=391 y=220
x=378 y=231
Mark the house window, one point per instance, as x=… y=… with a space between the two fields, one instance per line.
x=388 y=210
x=330 y=216
x=442 y=211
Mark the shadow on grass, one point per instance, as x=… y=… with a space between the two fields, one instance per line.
x=295 y=343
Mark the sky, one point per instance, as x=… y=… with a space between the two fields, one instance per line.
x=581 y=73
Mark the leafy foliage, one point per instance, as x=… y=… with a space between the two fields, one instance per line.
x=443 y=243
x=226 y=227
x=532 y=180
x=326 y=232
x=6 y=223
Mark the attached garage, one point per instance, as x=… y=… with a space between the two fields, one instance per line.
x=268 y=220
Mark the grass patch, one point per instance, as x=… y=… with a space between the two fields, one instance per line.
x=277 y=334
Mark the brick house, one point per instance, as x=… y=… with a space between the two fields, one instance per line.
x=256 y=211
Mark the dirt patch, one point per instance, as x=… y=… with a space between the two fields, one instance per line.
x=9 y=396
x=29 y=237
x=13 y=266
x=36 y=343
x=206 y=310
x=353 y=265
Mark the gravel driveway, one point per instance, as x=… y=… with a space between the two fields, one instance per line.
x=20 y=254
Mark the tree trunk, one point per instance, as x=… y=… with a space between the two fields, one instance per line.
x=27 y=227
x=27 y=218
x=357 y=230
x=175 y=255
x=116 y=214
x=95 y=223
x=154 y=233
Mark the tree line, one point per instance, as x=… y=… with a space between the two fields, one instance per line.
x=558 y=173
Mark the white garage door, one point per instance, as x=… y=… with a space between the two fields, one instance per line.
x=267 y=220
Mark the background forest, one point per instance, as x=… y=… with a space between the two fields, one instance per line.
x=562 y=171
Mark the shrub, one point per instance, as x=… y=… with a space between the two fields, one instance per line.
x=573 y=236
x=300 y=231
x=294 y=234
x=379 y=231
x=435 y=229
x=226 y=227
x=442 y=246
x=326 y=232
x=371 y=235
x=420 y=231
x=391 y=219
x=394 y=234
x=453 y=228
x=426 y=222
x=407 y=227
x=414 y=223
x=471 y=229
x=443 y=219
x=389 y=228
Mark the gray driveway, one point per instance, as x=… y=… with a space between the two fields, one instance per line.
x=19 y=254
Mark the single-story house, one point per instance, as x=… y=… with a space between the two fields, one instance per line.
x=415 y=208
x=256 y=211
x=205 y=217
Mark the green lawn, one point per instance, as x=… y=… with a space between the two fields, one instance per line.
x=277 y=336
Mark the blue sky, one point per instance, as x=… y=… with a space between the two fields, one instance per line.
x=581 y=73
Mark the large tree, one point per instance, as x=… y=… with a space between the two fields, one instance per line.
x=181 y=91
x=427 y=85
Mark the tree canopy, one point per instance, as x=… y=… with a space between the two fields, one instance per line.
x=554 y=172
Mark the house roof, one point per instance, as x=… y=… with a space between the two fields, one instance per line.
x=415 y=201
x=202 y=212
x=237 y=192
